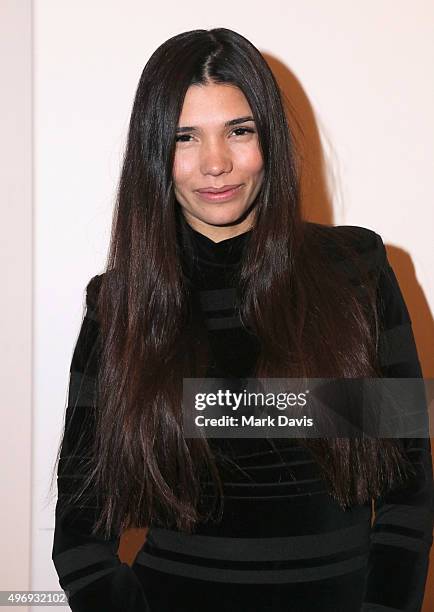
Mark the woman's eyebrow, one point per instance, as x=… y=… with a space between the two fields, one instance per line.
x=227 y=124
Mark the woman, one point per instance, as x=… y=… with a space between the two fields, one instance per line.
x=213 y=273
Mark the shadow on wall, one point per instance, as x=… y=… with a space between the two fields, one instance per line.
x=320 y=192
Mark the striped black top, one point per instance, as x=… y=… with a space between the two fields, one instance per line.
x=283 y=543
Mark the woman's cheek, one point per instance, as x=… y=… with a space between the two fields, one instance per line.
x=183 y=167
x=251 y=160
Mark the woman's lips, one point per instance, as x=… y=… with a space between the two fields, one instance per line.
x=222 y=196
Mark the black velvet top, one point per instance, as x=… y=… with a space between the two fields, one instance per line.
x=283 y=543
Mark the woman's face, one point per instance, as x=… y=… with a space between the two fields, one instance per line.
x=211 y=154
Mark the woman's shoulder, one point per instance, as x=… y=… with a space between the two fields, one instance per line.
x=92 y=289
x=339 y=243
x=92 y=292
x=362 y=239
x=344 y=243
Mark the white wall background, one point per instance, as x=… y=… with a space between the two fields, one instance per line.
x=360 y=77
x=16 y=294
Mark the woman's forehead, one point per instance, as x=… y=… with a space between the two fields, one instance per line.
x=213 y=104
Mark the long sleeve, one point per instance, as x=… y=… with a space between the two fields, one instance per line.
x=89 y=569
x=401 y=535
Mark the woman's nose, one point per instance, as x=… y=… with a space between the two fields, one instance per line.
x=215 y=159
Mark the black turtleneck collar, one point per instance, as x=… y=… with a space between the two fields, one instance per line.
x=224 y=252
x=209 y=264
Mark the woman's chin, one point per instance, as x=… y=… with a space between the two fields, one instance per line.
x=223 y=217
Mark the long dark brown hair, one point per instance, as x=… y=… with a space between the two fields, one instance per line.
x=309 y=322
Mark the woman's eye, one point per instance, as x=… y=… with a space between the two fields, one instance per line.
x=243 y=129
x=178 y=138
x=241 y=132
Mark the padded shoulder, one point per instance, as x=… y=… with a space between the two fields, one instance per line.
x=342 y=243
x=362 y=237
x=92 y=292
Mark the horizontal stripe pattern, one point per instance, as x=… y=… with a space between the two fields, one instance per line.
x=280 y=525
x=260 y=576
x=257 y=560
x=265 y=478
x=263 y=549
